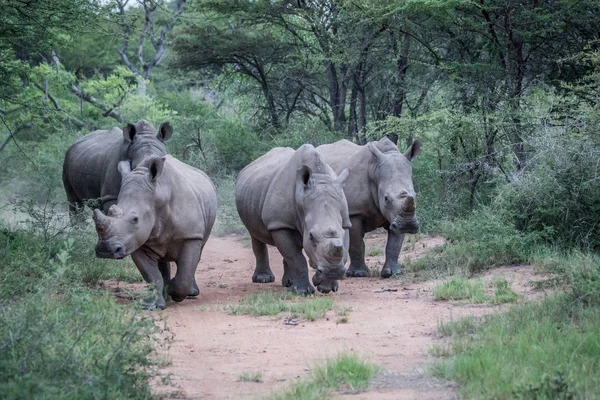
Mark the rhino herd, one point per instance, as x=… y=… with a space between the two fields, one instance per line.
x=318 y=200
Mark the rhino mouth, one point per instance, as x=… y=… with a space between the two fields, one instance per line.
x=334 y=273
x=405 y=225
x=116 y=252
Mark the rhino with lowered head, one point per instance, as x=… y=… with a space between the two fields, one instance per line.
x=380 y=193
x=165 y=212
x=293 y=200
x=90 y=166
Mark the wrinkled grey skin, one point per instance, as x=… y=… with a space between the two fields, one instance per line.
x=165 y=212
x=293 y=200
x=90 y=166
x=380 y=193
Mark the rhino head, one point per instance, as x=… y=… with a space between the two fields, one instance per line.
x=393 y=188
x=321 y=201
x=145 y=141
x=130 y=222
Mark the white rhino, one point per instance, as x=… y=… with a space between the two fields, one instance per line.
x=90 y=165
x=294 y=200
x=165 y=212
x=380 y=193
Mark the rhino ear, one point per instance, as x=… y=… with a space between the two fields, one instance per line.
x=303 y=177
x=124 y=168
x=129 y=132
x=155 y=166
x=165 y=131
x=414 y=149
x=342 y=177
x=376 y=152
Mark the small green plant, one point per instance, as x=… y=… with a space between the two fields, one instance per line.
x=273 y=303
x=503 y=293
x=344 y=371
x=343 y=320
x=247 y=376
x=440 y=350
x=460 y=289
x=342 y=311
x=463 y=326
x=374 y=252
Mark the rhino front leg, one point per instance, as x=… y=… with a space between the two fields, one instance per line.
x=392 y=251
x=184 y=281
x=149 y=269
x=295 y=268
x=357 y=268
x=262 y=272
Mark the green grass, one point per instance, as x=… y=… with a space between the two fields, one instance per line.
x=460 y=289
x=346 y=371
x=248 y=376
x=539 y=350
x=59 y=337
x=375 y=252
x=75 y=344
x=273 y=303
x=228 y=222
x=503 y=293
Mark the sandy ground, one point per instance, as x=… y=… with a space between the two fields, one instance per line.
x=391 y=324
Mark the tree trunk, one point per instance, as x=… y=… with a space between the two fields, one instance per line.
x=337 y=94
x=402 y=67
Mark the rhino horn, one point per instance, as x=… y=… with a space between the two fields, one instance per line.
x=376 y=152
x=409 y=204
x=101 y=221
x=115 y=211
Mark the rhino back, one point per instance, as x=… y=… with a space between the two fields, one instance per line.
x=359 y=188
x=252 y=186
x=192 y=206
x=90 y=165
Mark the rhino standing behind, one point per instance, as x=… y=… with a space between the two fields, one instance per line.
x=90 y=166
x=380 y=193
x=294 y=200
x=165 y=212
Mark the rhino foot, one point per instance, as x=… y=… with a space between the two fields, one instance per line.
x=263 y=277
x=158 y=304
x=195 y=290
x=328 y=286
x=302 y=290
x=388 y=271
x=358 y=272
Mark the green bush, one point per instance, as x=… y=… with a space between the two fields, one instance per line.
x=560 y=196
x=75 y=344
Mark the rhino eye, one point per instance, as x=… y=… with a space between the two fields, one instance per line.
x=312 y=238
x=386 y=198
x=134 y=220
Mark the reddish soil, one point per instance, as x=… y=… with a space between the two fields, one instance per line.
x=391 y=323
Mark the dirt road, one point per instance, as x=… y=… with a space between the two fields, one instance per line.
x=391 y=324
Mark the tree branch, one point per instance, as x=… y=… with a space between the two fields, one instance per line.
x=78 y=122
x=108 y=111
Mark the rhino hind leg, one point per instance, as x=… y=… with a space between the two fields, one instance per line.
x=295 y=267
x=262 y=272
x=392 y=252
x=357 y=268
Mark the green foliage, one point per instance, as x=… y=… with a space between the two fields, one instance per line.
x=346 y=371
x=273 y=303
x=484 y=240
x=250 y=377
x=74 y=344
x=460 y=289
x=502 y=292
x=539 y=350
x=560 y=196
